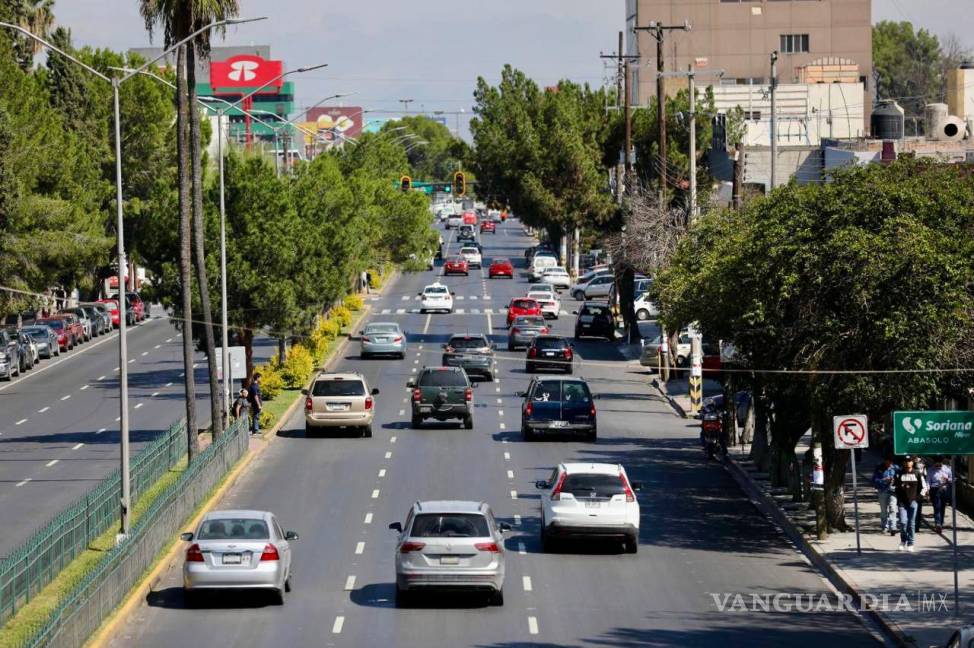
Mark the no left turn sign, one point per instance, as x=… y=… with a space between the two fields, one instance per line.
x=851 y=431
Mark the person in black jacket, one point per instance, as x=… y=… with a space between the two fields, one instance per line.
x=908 y=486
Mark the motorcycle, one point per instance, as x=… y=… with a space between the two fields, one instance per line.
x=711 y=430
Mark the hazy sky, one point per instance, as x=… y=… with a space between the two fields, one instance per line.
x=432 y=50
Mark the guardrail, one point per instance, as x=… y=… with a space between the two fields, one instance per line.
x=82 y=611
x=26 y=570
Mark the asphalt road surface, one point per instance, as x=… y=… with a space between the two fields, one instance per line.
x=699 y=535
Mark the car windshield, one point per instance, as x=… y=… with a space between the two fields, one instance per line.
x=35 y=331
x=544 y=343
x=595 y=310
x=55 y=324
x=333 y=387
x=529 y=321
x=468 y=342
x=443 y=378
x=450 y=525
x=436 y=290
x=372 y=329
x=581 y=485
x=233 y=529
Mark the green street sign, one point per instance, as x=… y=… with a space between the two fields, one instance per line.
x=946 y=432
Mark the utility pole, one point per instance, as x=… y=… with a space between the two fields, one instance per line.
x=622 y=98
x=774 y=117
x=405 y=104
x=658 y=31
x=693 y=144
x=626 y=154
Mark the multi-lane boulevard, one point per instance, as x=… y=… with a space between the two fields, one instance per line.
x=699 y=535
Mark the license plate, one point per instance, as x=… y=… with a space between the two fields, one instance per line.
x=586 y=318
x=549 y=354
x=593 y=504
x=559 y=424
x=231 y=559
x=337 y=407
x=449 y=560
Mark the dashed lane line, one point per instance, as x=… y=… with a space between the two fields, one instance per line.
x=517 y=520
x=84 y=387
x=350 y=583
x=532 y=625
x=66 y=397
x=507 y=456
x=21 y=422
x=138 y=405
x=382 y=473
x=526 y=583
x=368 y=518
x=43 y=409
x=21 y=483
x=388 y=455
x=513 y=494
x=339 y=623
x=52 y=462
x=375 y=494
x=510 y=474
x=360 y=548
x=77 y=446
x=522 y=549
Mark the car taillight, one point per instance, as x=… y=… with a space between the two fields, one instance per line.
x=368 y=402
x=365 y=339
x=308 y=406
x=556 y=494
x=630 y=496
x=448 y=349
x=193 y=554
x=468 y=394
x=591 y=410
x=487 y=546
x=515 y=331
x=545 y=329
x=568 y=354
x=398 y=339
x=532 y=353
x=408 y=547
x=528 y=409
x=417 y=394
x=270 y=553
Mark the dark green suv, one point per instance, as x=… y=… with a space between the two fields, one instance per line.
x=442 y=393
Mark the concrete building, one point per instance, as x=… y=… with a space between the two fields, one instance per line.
x=818 y=41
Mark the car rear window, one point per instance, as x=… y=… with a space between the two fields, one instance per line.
x=443 y=378
x=382 y=328
x=549 y=343
x=593 y=485
x=338 y=388
x=467 y=343
x=469 y=250
x=525 y=303
x=439 y=290
x=450 y=525
x=529 y=321
x=595 y=310
x=502 y=261
x=233 y=529
x=547 y=390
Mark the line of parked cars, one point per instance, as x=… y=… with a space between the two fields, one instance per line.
x=44 y=337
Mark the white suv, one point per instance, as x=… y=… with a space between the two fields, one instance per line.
x=589 y=500
x=472 y=255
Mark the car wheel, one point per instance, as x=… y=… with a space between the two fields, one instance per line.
x=528 y=367
x=642 y=315
x=402 y=356
x=363 y=356
x=578 y=295
x=578 y=335
x=497 y=598
x=569 y=371
x=527 y=434
x=277 y=597
x=417 y=422
x=631 y=545
x=191 y=598
x=592 y=435
x=468 y=422
x=403 y=598
x=510 y=347
x=367 y=431
x=287 y=584
x=547 y=542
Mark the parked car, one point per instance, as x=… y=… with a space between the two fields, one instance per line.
x=141 y=308
x=558 y=406
x=501 y=267
x=436 y=297
x=645 y=307
x=28 y=350
x=589 y=500
x=557 y=276
x=383 y=338
x=45 y=339
x=339 y=400
x=522 y=306
x=111 y=305
x=101 y=313
x=524 y=329
x=456 y=265
x=442 y=393
x=549 y=352
x=473 y=353
x=9 y=355
x=488 y=226
x=65 y=335
x=235 y=550
x=540 y=263
x=472 y=256
x=598 y=286
x=548 y=301
x=82 y=318
x=578 y=289
x=73 y=323
x=595 y=319
x=450 y=545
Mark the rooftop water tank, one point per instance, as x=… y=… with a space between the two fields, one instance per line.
x=934 y=116
x=886 y=122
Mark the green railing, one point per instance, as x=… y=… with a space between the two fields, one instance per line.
x=27 y=569
x=82 y=611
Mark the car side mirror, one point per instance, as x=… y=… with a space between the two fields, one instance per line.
x=375 y=391
x=420 y=294
x=452 y=293
x=597 y=396
x=290 y=535
x=396 y=526
x=475 y=385
x=442 y=346
x=304 y=392
x=520 y=394
x=411 y=384
x=636 y=486
x=541 y=484
x=186 y=537
x=574 y=312
x=504 y=526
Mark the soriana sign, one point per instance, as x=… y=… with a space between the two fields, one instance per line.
x=246 y=71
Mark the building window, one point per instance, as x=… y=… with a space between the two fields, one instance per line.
x=792 y=43
x=752 y=115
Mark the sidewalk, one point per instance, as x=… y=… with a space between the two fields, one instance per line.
x=925 y=616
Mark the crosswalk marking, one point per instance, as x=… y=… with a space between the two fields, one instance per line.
x=386 y=311
x=400 y=311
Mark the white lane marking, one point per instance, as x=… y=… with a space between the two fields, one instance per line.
x=21 y=422
x=382 y=472
x=350 y=583
x=168 y=384
x=498 y=390
x=497 y=380
x=392 y=439
x=500 y=400
x=77 y=446
x=526 y=582
x=503 y=440
x=168 y=340
x=426 y=326
x=132 y=360
x=138 y=405
x=420 y=347
x=101 y=377
x=337 y=627
x=51 y=462
x=416 y=361
x=118 y=418
x=521 y=549
x=517 y=520
x=84 y=387
x=502 y=426
x=182 y=374
x=413 y=370
x=507 y=456
x=460 y=298
x=375 y=494
x=490 y=325
x=368 y=518
x=21 y=483
x=402 y=412
x=179 y=335
x=532 y=625
x=388 y=455
x=500 y=412
x=195 y=365
x=386 y=311
x=115 y=369
x=360 y=548
x=64 y=398
x=514 y=494
x=144 y=353
x=405 y=297
x=460 y=311
x=510 y=474
x=154 y=394
x=473 y=297
x=405 y=400
x=157 y=346
x=101 y=430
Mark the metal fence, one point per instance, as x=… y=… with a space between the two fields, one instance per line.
x=27 y=569
x=82 y=611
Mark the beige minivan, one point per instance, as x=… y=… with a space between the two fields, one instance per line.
x=339 y=400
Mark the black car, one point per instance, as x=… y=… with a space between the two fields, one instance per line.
x=558 y=406
x=551 y=352
x=26 y=350
x=473 y=353
x=595 y=319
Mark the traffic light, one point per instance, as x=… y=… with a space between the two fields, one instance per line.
x=459 y=184
x=405 y=183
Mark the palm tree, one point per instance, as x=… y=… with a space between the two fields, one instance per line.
x=36 y=16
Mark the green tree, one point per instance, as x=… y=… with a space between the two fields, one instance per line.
x=907 y=65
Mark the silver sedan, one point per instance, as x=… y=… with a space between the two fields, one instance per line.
x=383 y=338
x=238 y=550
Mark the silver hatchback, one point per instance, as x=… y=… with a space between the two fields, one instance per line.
x=450 y=545
x=238 y=550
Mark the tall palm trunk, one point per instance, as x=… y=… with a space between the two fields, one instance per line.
x=185 y=246
x=199 y=254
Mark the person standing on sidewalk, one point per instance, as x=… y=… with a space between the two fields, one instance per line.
x=940 y=479
x=241 y=406
x=256 y=403
x=883 y=477
x=907 y=486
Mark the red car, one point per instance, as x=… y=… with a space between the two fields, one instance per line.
x=501 y=268
x=469 y=218
x=456 y=265
x=488 y=226
x=72 y=324
x=139 y=306
x=65 y=338
x=522 y=306
x=112 y=305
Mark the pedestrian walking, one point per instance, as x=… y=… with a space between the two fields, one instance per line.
x=883 y=476
x=256 y=403
x=907 y=485
x=364 y=281
x=368 y=282
x=939 y=479
x=241 y=406
x=920 y=468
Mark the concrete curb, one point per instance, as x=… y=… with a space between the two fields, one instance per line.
x=672 y=401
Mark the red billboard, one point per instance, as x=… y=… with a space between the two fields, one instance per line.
x=245 y=71
x=337 y=122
